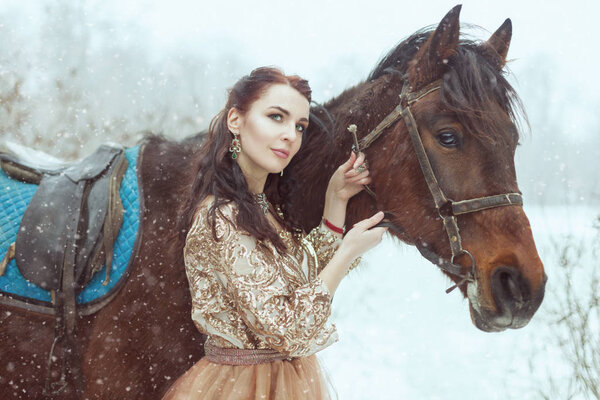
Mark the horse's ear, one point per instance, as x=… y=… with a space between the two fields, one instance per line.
x=430 y=61
x=497 y=45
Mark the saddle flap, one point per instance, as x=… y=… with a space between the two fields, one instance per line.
x=16 y=291
x=93 y=165
x=64 y=222
x=47 y=226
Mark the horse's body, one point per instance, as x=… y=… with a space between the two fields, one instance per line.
x=144 y=339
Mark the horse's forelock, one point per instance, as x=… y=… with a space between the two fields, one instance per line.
x=473 y=88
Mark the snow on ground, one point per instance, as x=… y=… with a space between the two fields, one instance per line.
x=402 y=337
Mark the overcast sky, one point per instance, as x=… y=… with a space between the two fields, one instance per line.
x=311 y=36
x=307 y=37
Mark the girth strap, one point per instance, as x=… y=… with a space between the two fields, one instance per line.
x=65 y=310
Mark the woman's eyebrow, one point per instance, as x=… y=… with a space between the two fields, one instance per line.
x=283 y=110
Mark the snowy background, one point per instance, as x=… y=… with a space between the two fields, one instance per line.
x=76 y=74
x=403 y=337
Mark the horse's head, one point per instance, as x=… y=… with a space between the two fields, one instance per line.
x=468 y=130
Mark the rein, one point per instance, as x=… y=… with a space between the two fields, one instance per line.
x=447 y=209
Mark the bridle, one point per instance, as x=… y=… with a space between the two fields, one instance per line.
x=447 y=209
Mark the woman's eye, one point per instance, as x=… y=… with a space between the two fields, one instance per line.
x=276 y=117
x=300 y=128
x=448 y=139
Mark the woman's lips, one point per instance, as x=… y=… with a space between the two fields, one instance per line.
x=281 y=153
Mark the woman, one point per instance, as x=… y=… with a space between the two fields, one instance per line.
x=261 y=289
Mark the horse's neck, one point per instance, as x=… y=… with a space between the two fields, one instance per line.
x=364 y=105
x=167 y=173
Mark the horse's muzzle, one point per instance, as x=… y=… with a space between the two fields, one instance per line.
x=515 y=301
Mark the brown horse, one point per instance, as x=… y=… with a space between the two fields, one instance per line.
x=138 y=344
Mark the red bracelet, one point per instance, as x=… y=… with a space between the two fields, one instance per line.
x=333 y=227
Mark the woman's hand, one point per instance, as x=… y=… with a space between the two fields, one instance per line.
x=345 y=182
x=349 y=178
x=362 y=237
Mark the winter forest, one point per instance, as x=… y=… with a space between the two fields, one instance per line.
x=74 y=75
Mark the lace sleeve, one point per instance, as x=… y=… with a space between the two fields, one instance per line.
x=291 y=317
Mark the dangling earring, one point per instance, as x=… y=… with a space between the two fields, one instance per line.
x=235 y=147
x=281 y=173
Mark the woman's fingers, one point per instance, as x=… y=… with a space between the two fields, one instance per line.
x=364 y=235
x=359 y=160
x=349 y=162
x=355 y=174
x=364 y=181
x=358 y=177
x=359 y=166
x=379 y=231
x=371 y=221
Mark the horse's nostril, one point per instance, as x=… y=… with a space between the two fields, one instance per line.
x=509 y=287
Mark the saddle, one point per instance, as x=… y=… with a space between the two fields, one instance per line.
x=66 y=235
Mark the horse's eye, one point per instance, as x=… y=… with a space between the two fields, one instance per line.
x=448 y=139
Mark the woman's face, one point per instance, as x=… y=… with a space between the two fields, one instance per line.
x=271 y=130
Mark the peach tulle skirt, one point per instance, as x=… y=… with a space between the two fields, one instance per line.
x=300 y=378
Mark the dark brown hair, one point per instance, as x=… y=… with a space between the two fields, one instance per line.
x=219 y=175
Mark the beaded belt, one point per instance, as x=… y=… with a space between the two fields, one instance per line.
x=221 y=355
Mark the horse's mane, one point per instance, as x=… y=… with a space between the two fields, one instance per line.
x=398 y=58
x=471 y=86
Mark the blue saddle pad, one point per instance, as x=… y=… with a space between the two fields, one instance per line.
x=14 y=198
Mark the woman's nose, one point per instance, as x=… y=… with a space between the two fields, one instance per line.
x=289 y=132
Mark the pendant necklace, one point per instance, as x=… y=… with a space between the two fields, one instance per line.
x=261 y=200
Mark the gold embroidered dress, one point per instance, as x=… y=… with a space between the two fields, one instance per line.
x=245 y=295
